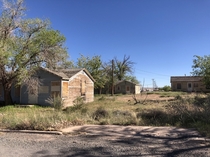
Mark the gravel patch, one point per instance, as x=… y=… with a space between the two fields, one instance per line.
x=106 y=141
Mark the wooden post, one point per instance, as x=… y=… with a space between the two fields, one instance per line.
x=112 y=77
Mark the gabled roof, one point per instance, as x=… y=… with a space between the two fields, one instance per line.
x=68 y=73
x=186 y=78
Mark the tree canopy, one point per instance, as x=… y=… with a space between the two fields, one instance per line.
x=105 y=73
x=123 y=67
x=132 y=79
x=201 y=67
x=26 y=44
x=94 y=66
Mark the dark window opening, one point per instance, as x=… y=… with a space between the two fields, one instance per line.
x=179 y=86
x=128 y=89
x=83 y=87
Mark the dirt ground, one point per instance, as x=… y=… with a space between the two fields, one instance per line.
x=107 y=140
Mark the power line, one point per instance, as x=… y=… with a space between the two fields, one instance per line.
x=153 y=72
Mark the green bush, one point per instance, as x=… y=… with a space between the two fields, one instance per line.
x=166 y=88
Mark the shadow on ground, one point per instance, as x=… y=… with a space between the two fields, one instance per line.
x=132 y=141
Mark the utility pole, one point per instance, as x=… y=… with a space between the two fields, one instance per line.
x=154 y=84
x=112 y=77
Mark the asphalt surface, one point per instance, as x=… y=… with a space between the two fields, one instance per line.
x=87 y=141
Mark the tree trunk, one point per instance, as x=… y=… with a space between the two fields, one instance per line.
x=7 y=95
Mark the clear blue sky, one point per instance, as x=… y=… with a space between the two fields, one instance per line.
x=160 y=36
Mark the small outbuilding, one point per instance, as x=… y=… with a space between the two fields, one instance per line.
x=127 y=87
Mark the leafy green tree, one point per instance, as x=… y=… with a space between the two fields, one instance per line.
x=201 y=67
x=94 y=66
x=25 y=45
x=166 y=88
x=132 y=79
x=110 y=76
x=123 y=67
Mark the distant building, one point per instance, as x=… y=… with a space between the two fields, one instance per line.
x=188 y=84
x=127 y=87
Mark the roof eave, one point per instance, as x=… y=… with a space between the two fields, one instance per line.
x=88 y=74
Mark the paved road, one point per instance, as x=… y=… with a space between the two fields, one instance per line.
x=88 y=141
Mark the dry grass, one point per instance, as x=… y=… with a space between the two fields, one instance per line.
x=187 y=110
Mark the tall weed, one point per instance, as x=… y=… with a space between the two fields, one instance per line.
x=56 y=102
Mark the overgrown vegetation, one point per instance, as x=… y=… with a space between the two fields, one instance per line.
x=26 y=44
x=184 y=110
x=56 y=102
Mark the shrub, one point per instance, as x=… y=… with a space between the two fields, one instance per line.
x=77 y=105
x=124 y=118
x=79 y=101
x=124 y=113
x=187 y=114
x=56 y=102
x=100 y=113
x=178 y=97
x=152 y=117
x=166 y=88
x=101 y=98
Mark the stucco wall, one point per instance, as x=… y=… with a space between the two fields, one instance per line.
x=126 y=87
x=197 y=86
x=137 y=89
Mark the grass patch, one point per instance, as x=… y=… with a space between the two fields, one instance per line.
x=184 y=111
